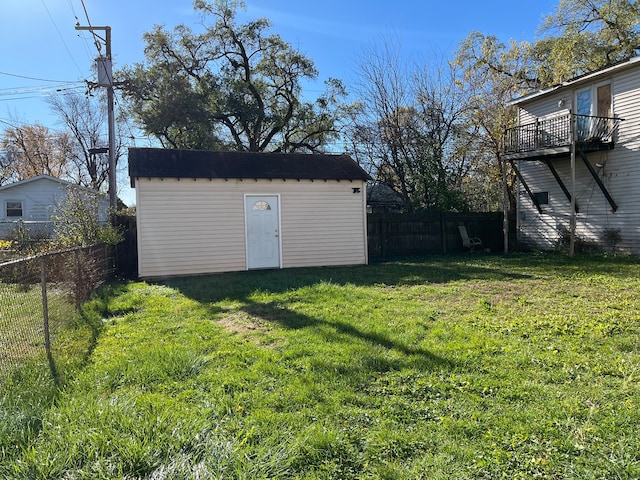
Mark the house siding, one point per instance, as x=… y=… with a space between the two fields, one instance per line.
x=192 y=226
x=619 y=170
x=40 y=197
x=545 y=107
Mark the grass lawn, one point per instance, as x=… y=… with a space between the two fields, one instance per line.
x=443 y=367
x=21 y=322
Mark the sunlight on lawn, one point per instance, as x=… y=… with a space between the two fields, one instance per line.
x=489 y=367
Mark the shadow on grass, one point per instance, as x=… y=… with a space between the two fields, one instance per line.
x=55 y=375
x=410 y=271
x=336 y=332
x=240 y=286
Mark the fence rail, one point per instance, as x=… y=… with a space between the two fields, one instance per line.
x=556 y=132
x=41 y=294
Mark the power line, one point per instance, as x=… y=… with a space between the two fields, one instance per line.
x=31 y=88
x=23 y=98
x=83 y=38
x=28 y=89
x=35 y=78
x=48 y=88
x=96 y=38
x=61 y=37
x=19 y=124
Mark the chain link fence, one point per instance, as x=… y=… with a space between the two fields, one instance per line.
x=39 y=295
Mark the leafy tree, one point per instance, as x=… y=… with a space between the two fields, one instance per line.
x=579 y=37
x=231 y=86
x=31 y=150
x=493 y=73
x=584 y=35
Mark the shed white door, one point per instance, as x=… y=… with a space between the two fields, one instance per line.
x=263 y=231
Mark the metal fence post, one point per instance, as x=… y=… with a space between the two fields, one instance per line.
x=45 y=306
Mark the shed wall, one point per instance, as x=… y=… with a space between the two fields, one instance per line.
x=192 y=226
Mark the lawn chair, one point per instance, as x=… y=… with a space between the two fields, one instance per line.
x=470 y=243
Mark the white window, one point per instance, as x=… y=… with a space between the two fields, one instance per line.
x=13 y=208
x=261 y=205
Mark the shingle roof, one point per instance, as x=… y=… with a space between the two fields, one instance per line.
x=50 y=178
x=166 y=163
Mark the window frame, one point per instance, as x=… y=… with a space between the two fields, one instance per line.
x=593 y=97
x=541 y=197
x=587 y=123
x=7 y=208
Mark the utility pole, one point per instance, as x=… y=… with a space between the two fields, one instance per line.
x=105 y=79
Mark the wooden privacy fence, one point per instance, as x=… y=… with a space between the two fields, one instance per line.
x=431 y=233
x=126 y=252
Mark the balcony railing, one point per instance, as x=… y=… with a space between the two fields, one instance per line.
x=555 y=132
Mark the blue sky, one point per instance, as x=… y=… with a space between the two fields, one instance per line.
x=38 y=38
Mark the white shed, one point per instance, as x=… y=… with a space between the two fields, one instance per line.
x=204 y=212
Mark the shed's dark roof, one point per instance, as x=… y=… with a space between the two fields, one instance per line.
x=165 y=163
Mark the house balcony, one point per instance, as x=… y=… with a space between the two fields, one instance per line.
x=547 y=138
x=550 y=138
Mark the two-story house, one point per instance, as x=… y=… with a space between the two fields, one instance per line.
x=576 y=151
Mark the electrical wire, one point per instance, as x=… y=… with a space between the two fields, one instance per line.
x=30 y=89
x=19 y=124
x=82 y=37
x=96 y=38
x=44 y=91
x=61 y=37
x=35 y=78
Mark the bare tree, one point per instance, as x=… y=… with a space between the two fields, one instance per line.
x=410 y=130
x=85 y=117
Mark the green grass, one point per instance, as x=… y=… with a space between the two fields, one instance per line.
x=445 y=367
x=31 y=381
x=21 y=321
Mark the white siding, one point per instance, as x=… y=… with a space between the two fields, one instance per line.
x=545 y=107
x=198 y=226
x=619 y=170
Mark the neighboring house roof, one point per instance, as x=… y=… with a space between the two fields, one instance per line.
x=588 y=77
x=63 y=183
x=166 y=163
x=382 y=195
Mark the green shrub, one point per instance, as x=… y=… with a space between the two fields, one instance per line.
x=580 y=245
x=78 y=222
x=611 y=237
